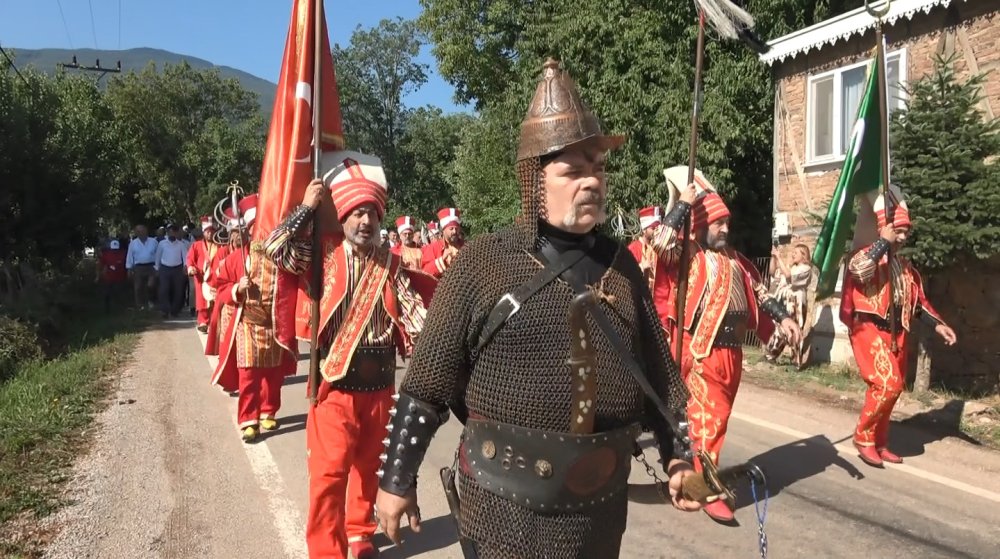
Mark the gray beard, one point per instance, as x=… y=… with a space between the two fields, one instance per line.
x=570 y=219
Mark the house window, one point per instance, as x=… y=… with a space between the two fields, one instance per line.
x=832 y=105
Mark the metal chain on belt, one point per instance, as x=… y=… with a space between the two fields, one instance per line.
x=641 y=458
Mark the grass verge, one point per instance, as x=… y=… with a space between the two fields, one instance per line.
x=841 y=386
x=45 y=411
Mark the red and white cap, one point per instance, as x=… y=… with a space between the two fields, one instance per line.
x=248 y=212
x=901 y=214
x=207 y=223
x=449 y=216
x=649 y=217
x=354 y=179
x=432 y=226
x=404 y=223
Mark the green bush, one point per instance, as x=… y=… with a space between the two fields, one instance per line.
x=18 y=344
x=941 y=156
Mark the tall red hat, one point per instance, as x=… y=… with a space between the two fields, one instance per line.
x=707 y=209
x=900 y=216
x=432 y=226
x=449 y=216
x=248 y=212
x=355 y=179
x=649 y=217
x=404 y=223
x=207 y=222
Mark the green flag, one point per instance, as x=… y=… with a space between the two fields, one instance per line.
x=862 y=172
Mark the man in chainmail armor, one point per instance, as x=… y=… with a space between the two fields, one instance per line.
x=530 y=483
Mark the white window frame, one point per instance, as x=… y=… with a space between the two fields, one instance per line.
x=837 y=74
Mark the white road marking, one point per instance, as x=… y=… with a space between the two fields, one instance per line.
x=849 y=450
x=284 y=513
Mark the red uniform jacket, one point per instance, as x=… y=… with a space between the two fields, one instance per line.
x=432 y=258
x=661 y=284
x=228 y=276
x=199 y=258
x=212 y=344
x=697 y=289
x=293 y=304
x=866 y=290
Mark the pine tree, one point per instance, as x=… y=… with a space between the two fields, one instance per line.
x=942 y=156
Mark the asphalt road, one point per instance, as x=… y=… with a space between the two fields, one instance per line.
x=169 y=477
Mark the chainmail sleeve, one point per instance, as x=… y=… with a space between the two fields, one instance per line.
x=434 y=381
x=440 y=364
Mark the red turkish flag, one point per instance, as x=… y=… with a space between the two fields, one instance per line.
x=288 y=164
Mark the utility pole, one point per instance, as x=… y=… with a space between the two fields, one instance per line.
x=95 y=68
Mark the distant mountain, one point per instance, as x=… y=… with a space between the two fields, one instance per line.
x=47 y=60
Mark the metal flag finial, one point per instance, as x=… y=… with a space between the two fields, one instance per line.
x=878 y=13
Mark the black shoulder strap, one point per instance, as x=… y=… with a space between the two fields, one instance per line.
x=626 y=357
x=510 y=303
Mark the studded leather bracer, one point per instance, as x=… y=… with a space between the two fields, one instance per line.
x=775 y=309
x=297 y=219
x=878 y=250
x=411 y=427
x=675 y=217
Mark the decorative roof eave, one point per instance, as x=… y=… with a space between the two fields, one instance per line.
x=843 y=27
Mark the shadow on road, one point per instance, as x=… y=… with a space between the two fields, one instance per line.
x=788 y=464
x=289 y=424
x=783 y=465
x=435 y=533
x=910 y=436
x=297 y=379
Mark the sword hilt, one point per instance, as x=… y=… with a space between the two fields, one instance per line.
x=714 y=483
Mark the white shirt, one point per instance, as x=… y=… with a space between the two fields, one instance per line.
x=141 y=252
x=171 y=253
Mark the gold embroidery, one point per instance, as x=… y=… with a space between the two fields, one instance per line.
x=716 y=304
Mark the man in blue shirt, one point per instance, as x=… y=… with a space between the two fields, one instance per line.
x=171 y=254
x=140 y=263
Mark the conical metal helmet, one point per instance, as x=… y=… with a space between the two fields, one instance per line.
x=557 y=118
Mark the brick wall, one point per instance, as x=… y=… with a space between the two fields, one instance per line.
x=972 y=29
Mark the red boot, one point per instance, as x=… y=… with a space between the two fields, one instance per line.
x=719 y=511
x=889 y=457
x=363 y=549
x=869 y=455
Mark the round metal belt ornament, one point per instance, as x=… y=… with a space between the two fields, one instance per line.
x=543 y=468
x=489 y=450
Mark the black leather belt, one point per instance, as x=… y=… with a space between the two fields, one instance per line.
x=371 y=369
x=548 y=471
x=880 y=324
x=733 y=330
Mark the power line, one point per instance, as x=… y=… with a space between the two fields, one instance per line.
x=65 y=26
x=14 y=66
x=93 y=27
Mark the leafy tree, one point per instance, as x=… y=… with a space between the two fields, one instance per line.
x=942 y=154
x=374 y=72
x=427 y=153
x=634 y=61
x=57 y=159
x=188 y=133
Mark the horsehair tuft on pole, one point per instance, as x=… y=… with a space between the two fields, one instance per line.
x=732 y=22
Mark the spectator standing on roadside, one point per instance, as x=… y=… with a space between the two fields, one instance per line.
x=140 y=262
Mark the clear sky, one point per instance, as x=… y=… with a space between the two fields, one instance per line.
x=244 y=34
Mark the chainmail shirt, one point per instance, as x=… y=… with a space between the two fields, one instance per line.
x=521 y=376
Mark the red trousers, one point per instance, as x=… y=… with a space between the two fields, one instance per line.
x=204 y=315
x=260 y=394
x=885 y=373
x=713 y=383
x=344 y=435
